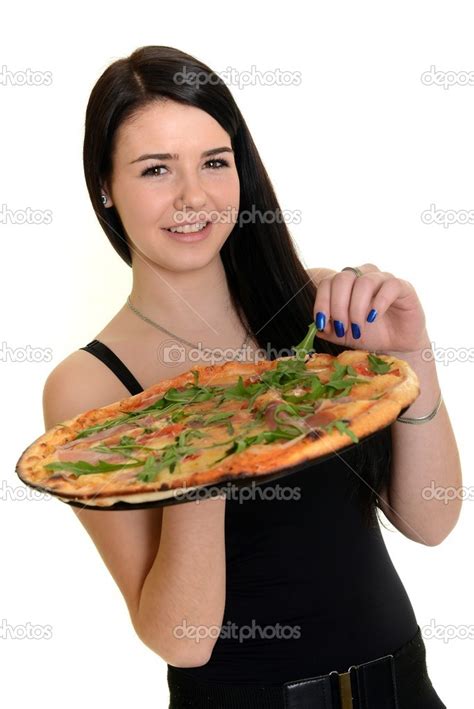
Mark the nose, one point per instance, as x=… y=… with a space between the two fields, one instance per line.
x=190 y=194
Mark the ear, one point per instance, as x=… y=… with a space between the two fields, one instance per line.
x=104 y=189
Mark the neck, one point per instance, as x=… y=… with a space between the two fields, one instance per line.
x=185 y=302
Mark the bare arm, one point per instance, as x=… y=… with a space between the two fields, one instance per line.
x=169 y=563
x=183 y=597
x=425 y=460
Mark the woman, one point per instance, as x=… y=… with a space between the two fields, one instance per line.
x=246 y=597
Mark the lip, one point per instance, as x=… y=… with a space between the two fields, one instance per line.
x=192 y=236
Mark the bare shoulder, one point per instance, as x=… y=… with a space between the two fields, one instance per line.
x=127 y=541
x=78 y=383
x=78 y=380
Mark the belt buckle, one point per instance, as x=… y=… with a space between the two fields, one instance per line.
x=352 y=684
x=343 y=681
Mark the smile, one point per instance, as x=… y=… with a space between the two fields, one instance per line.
x=194 y=232
x=188 y=228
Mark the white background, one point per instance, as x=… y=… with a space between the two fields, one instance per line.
x=362 y=147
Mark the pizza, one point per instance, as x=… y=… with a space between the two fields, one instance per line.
x=218 y=423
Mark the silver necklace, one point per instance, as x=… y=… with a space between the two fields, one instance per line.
x=163 y=329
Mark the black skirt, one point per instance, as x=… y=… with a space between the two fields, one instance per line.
x=414 y=689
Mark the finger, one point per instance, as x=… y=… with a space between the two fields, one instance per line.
x=341 y=293
x=368 y=268
x=388 y=291
x=364 y=289
x=317 y=274
x=322 y=305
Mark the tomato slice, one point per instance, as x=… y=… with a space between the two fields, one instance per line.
x=191 y=456
x=172 y=428
x=362 y=368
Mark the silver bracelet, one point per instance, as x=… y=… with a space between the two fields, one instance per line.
x=422 y=419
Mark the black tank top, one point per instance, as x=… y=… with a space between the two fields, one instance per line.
x=309 y=587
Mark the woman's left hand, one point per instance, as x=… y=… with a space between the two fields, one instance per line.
x=399 y=324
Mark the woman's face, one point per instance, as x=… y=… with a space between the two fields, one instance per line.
x=149 y=193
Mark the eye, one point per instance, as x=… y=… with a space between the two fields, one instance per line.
x=223 y=162
x=149 y=170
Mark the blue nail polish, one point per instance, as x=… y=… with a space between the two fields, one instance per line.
x=355 y=331
x=339 y=328
x=320 y=321
x=372 y=315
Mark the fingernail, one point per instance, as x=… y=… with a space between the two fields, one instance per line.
x=320 y=321
x=339 y=328
x=355 y=331
x=372 y=315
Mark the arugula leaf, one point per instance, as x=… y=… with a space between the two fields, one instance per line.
x=102 y=426
x=170 y=457
x=190 y=394
x=305 y=346
x=342 y=427
x=282 y=432
x=179 y=415
x=340 y=380
x=377 y=365
x=242 y=391
x=284 y=408
x=317 y=391
x=286 y=373
x=132 y=416
x=128 y=441
x=218 y=417
x=150 y=470
x=185 y=436
x=82 y=468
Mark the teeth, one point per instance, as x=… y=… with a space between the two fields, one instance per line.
x=188 y=228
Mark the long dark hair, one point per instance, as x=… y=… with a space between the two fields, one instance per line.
x=268 y=284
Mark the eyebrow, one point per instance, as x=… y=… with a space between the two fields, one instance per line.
x=175 y=156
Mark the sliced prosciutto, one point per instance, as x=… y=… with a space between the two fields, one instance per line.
x=113 y=434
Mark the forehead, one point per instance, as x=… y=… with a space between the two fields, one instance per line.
x=169 y=127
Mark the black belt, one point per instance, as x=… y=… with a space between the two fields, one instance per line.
x=383 y=683
x=370 y=685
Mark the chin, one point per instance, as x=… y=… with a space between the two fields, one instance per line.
x=183 y=257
